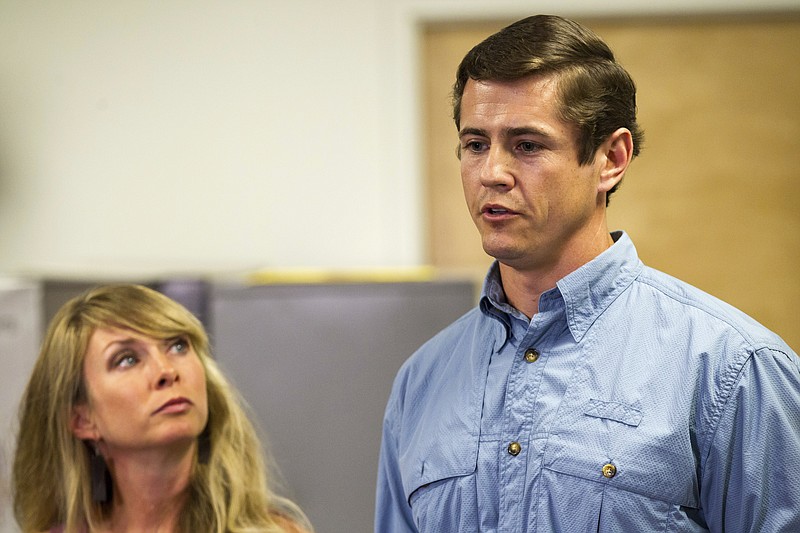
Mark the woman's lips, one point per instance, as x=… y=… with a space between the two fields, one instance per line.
x=175 y=405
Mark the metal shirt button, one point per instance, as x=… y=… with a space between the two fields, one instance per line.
x=609 y=470
x=531 y=355
x=514 y=448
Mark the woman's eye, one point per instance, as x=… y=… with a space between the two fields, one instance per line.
x=180 y=345
x=126 y=360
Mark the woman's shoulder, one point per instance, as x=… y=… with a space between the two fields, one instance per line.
x=288 y=525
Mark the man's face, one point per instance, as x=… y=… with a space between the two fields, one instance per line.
x=533 y=204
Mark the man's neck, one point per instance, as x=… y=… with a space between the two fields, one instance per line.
x=524 y=287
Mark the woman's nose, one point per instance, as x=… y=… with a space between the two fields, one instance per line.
x=167 y=374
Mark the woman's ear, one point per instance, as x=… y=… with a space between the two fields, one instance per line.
x=81 y=423
x=617 y=153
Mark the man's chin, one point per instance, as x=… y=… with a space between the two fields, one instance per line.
x=503 y=251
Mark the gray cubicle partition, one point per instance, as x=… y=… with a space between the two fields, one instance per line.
x=316 y=363
x=20 y=324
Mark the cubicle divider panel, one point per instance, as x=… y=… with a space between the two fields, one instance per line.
x=315 y=364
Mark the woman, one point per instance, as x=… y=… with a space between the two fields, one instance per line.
x=127 y=424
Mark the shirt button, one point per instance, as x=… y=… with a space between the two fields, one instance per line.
x=609 y=470
x=531 y=355
x=514 y=448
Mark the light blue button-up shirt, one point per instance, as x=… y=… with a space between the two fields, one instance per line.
x=651 y=406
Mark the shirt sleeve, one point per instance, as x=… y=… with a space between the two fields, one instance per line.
x=392 y=511
x=749 y=481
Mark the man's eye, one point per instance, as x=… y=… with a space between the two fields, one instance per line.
x=528 y=146
x=474 y=146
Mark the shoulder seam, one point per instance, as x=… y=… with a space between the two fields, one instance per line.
x=750 y=341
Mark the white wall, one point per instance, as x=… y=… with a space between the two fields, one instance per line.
x=195 y=135
x=198 y=136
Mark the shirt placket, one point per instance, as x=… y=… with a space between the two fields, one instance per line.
x=517 y=452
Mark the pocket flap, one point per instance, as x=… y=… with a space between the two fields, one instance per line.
x=616 y=411
x=433 y=462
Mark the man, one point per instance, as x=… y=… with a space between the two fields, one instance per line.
x=586 y=392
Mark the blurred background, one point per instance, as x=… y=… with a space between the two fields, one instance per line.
x=287 y=170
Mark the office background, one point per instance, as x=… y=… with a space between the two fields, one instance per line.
x=209 y=140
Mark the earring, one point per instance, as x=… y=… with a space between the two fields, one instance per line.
x=204 y=446
x=101 y=478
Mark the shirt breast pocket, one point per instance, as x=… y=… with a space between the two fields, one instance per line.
x=439 y=479
x=639 y=467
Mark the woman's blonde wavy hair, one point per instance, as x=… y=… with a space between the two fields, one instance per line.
x=228 y=492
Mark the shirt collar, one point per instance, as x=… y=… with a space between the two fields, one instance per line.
x=586 y=292
x=493 y=298
x=589 y=290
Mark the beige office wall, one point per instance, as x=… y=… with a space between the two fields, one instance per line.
x=714 y=199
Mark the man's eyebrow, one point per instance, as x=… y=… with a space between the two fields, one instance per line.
x=473 y=131
x=526 y=130
x=510 y=132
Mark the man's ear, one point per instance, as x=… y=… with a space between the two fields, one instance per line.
x=617 y=152
x=81 y=423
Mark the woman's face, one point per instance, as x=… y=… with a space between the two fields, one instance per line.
x=143 y=393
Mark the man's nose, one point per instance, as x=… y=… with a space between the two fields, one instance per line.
x=498 y=169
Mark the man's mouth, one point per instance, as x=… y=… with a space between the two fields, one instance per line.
x=496 y=210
